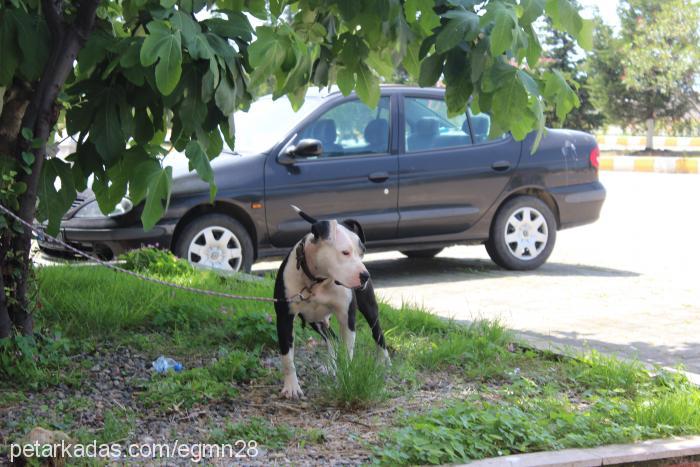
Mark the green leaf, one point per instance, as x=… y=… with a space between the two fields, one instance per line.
x=28 y=158
x=462 y=25
x=237 y=25
x=410 y=61
x=200 y=48
x=209 y=83
x=141 y=175
x=534 y=49
x=367 y=86
x=188 y=27
x=382 y=64
x=502 y=34
x=268 y=52
x=54 y=203
x=430 y=70
x=94 y=51
x=225 y=96
x=532 y=9
x=143 y=128
x=199 y=161
x=9 y=51
x=277 y=6
x=157 y=198
x=585 y=38
x=458 y=87
x=346 y=80
x=508 y=103
x=565 y=16
x=422 y=13
x=164 y=46
x=106 y=130
x=33 y=41
x=556 y=89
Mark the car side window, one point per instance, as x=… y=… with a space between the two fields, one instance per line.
x=351 y=128
x=481 y=127
x=428 y=125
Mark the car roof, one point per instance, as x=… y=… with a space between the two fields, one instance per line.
x=334 y=91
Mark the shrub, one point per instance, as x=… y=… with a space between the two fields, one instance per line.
x=155 y=261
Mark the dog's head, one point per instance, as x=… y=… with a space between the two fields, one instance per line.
x=336 y=251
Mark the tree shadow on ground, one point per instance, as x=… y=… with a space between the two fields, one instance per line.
x=408 y=271
x=684 y=353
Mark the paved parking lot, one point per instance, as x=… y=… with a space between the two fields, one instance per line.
x=628 y=284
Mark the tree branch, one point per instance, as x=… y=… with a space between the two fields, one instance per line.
x=54 y=17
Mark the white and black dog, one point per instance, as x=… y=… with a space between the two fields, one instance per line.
x=324 y=275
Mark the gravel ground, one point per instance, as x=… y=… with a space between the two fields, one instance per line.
x=114 y=376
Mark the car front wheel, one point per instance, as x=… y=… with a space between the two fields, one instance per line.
x=523 y=234
x=216 y=241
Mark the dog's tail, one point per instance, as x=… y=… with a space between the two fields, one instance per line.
x=303 y=215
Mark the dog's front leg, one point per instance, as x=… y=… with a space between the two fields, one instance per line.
x=346 y=322
x=285 y=336
x=367 y=303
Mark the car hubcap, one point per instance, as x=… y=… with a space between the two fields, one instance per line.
x=216 y=248
x=526 y=233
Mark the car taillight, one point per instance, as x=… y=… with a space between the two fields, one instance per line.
x=595 y=154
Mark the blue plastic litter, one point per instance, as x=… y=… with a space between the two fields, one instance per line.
x=163 y=364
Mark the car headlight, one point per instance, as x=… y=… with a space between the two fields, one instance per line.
x=92 y=209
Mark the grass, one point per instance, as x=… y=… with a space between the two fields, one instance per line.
x=592 y=401
x=203 y=385
x=522 y=401
x=358 y=382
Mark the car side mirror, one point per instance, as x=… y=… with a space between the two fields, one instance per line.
x=304 y=148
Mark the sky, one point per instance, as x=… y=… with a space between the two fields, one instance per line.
x=606 y=8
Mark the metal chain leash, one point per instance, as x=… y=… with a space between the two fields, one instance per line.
x=40 y=234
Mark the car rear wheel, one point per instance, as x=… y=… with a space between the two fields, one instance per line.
x=523 y=234
x=216 y=241
x=421 y=253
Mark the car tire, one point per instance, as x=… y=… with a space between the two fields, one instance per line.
x=421 y=253
x=201 y=243
x=523 y=234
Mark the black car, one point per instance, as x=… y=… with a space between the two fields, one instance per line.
x=417 y=179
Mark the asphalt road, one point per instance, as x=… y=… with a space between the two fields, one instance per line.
x=628 y=284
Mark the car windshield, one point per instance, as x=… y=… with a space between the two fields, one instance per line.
x=268 y=121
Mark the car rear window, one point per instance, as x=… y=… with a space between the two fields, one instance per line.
x=428 y=125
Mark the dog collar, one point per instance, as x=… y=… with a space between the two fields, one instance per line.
x=304 y=266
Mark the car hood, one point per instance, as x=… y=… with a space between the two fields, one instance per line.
x=229 y=170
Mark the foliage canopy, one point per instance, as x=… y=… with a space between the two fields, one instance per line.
x=151 y=66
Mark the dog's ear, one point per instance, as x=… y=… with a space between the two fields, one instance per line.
x=355 y=227
x=303 y=215
x=324 y=230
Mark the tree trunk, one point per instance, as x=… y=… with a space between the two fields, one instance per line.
x=40 y=116
x=650 y=134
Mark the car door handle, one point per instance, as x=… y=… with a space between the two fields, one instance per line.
x=378 y=177
x=500 y=166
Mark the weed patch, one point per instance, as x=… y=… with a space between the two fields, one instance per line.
x=202 y=385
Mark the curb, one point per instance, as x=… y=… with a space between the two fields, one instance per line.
x=645 y=451
x=689 y=143
x=684 y=165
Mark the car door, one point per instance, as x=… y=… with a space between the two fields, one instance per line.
x=449 y=175
x=355 y=177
